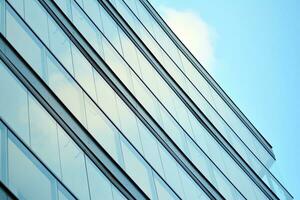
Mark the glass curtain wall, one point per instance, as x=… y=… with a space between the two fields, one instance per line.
x=90 y=114
x=167 y=53
x=91 y=31
x=182 y=69
x=35 y=130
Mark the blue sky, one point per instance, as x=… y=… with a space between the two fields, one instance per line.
x=252 y=49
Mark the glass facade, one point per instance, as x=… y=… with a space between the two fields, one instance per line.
x=48 y=159
x=33 y=140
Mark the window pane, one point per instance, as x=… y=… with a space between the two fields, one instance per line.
x=22 y=40
x=85 y=26
x=116 y=63
x=100 y=187
x=131 y=4
x=2 y=151
x=24 y=170
x=129 y=124
x=150 y=148
x=130 y=52
x=63 y=194
x=13 y=95
x=143 y=94
x=73 y=166
x=137 y=169
x=83 y=71
x=65 y=88
x=80 y=2
x=43 y=135
x=18 y=6
x=92 y=8
x=117 y=194
x=173 y=129
x=102 y=129
x=171 y=172
x=65 y=6
x=191 y=190
x=163 y=192
x=37 y=18
x=107 y=99
x=60 y=45
x=110 y=29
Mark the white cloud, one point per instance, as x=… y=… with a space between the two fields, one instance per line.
x=194 y=32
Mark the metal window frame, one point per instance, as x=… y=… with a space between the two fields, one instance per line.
x=5 y=191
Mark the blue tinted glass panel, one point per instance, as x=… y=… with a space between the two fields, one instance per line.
x=65 y=88
x=129 y=124
x=63 y=194
x=107 y=99
x=18 y=35
x=73 y=166
x=13 y=95
x=60 y=45
x=100 y=187
x=18 y=5
x=25 y=178
x=171 y=172
x=3 y=153
x=163 y=192
x=37 y=17
x=150 y=148
x=43 y=134
x=83 y=71
x=102 y=130
x=110 y=29
x=137 y=169
x=117 y=194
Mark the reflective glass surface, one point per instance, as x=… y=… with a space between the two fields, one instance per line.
x=73 y=161
x=198 y=89
x=167 y=97
x=134 y=138
x=12 y=89
x=21 y=167
x=185 y=73
x=58 y=74
x=85 y=94
x=18 y=163
x=43 y=135
x=51 y=145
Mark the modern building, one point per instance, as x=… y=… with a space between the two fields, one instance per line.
x=100 y=100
